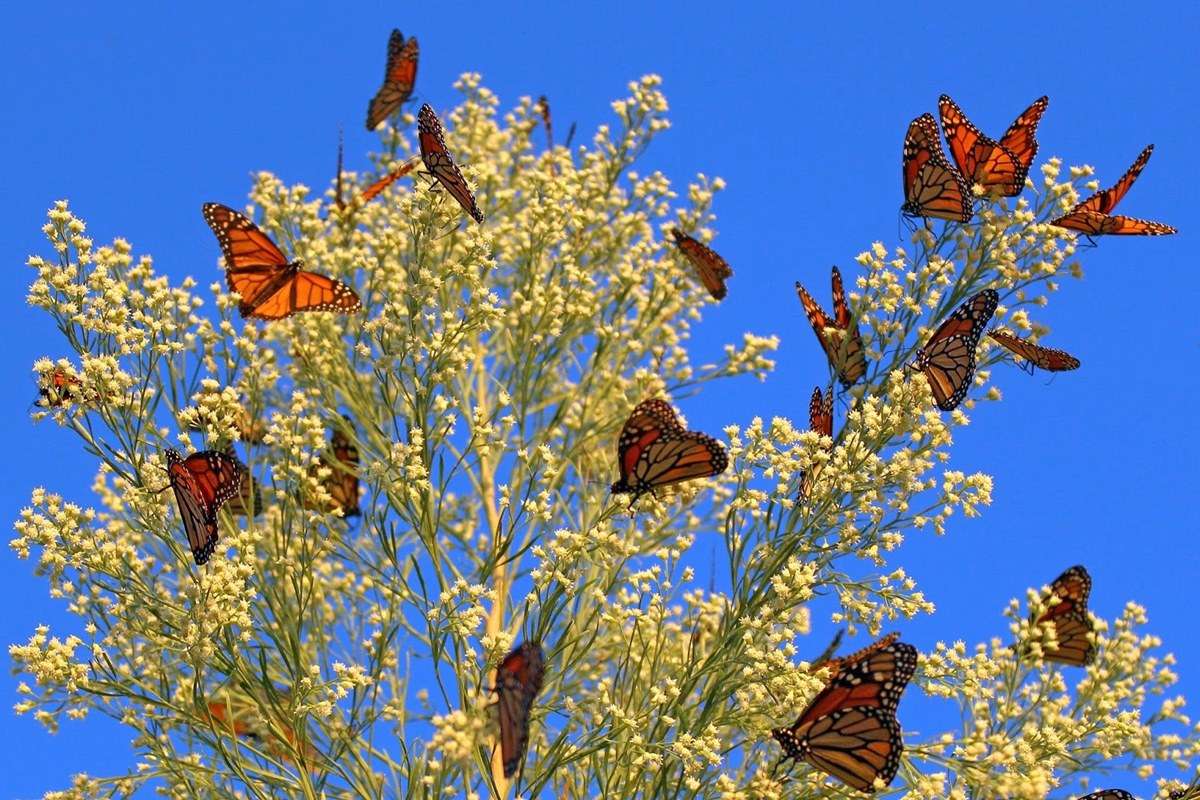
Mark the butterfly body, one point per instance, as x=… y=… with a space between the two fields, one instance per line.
x=518 y=681
x=202 y=483
x=654 y=451
x=948 y=357
x=849 y=730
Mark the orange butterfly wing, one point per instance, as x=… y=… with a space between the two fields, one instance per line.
x=270 y=287
x=1037 y=355
x=948 y=358
x=820 y=419
x=398 y=79
x=378 y=186
x=1070 y=618
x=518 y=682
x=849 y=730
x=712 y=269
x=1092 y=217
x=1020 y=138
x=202 y=482
x=980 y=159
x=655 y=451
x=844 y=346
x=932 y=186
x=441 y=164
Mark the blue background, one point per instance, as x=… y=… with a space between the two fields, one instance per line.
x=138 y=114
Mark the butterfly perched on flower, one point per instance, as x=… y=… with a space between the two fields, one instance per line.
x=269 y=285
x=1000 y=165
x=342 y=481
x=839 y=335
x=820 y=420
x=1094 y=217
x=440 y=163
x=518 y=682
x=58 y=387
x=710 y=267
x=948 y=357
x=203 y=482
x=1035 y=355
x=849 y=730
x=655 y=451
x=933 y=187
x=1069 y=616
x=399 y=76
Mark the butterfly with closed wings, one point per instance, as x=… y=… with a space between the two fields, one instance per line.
x=710 y=267
x=849 y=730
x=820 y=420
x=1034 y=355
x=518 y=681
x=203 y=482
x=933 y=187
x=440 y=163
x=655 y=451
x=948 y=357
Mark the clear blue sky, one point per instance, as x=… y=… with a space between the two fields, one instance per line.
x=138 y=114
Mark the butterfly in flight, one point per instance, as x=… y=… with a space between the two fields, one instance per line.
x=398 y=79
x=1001 y=165
x=1094 y=217
x=820 y=419
x=932 y=185
x=1111 y=794
x=440 y=163
x=655 y=451
x=1035 y=355
x=839 y=335
x=342 y=482
x=948 y=357
x=1070 y=619
x=849 y=730
x=203 y=482
x=518 y=681
x=269 y=285
x=712 y=269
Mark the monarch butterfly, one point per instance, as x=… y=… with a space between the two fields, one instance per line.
x=543 y=109
x=1070 y=618
x=1093 y=217
x=712 y=269
x=441 y=164
x=932 y=186
x=1111 y=794
x=839 y=338
x=948 y=358
x=270 y=286
x=387 y=180
x=518 y=681
x=58 y=387
x=849 y=730
x=989 y=163
x=342 y=482
x=820 y=419
x=398 y=79
x=1035 y=355
x=655 y=451
x=243 y=715
x=203 y=482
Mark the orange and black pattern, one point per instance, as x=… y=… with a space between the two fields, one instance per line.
x=948 y=358
x=1094 y=217
x=440 y=163
x=820 y=419
x=269 y=285
x=518 y=682
x=1072 y=625
x=398 y=79
x=1035 y=355
x=710 y=267
x=1001 y=166
x=655 y=451
x=839 y=335
x=933 y=187
x=202 y=483
x=849 y=730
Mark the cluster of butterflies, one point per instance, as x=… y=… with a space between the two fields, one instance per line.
x=849 y=730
